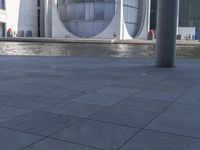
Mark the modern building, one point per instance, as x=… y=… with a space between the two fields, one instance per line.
x=98 y=18
x=125 y=19
x=189 y=13
x=189 y=19
x=21 y=18
x=153 y=14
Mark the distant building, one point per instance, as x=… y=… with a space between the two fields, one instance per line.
x=189 y=13
x=21 y=18
x=153 y=14
x=189 y=18
x=123 y=19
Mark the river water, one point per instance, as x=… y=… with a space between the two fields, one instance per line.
x=93 y=50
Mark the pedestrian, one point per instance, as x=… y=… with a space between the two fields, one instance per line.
x=186 y=37
x=193 y=37
x=189 y=36
x=114 y=35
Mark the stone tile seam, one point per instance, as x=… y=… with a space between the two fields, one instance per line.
x=164 y=109
x=170 y=133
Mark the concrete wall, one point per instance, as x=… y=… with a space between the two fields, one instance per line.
x=21 y=15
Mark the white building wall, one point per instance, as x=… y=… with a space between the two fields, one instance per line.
x=58 y=29
x=48 y=18
x=145 y=22
x=2 y=15
x=114 y=26
x=21 y=15
x=12 y=14
x=186 y=31
x=117 y=25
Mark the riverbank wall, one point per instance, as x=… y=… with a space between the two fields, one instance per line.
x=93 y=41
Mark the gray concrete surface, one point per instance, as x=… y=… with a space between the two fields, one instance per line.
x=92 y=41
x=90 y=103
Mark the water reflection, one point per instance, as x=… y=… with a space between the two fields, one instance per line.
x=95 y=50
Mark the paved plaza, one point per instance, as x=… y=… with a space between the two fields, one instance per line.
x=89 y=103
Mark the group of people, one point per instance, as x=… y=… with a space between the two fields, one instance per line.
x=189 y=37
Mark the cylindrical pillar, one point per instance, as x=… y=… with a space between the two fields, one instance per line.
x=167 y=15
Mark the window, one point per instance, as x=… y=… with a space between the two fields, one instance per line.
x=2 y=4
x=86 y=17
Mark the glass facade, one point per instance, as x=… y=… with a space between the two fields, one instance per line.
x=189 y=13
x=131 y=13
x=153 y=14
x=2 y=29
x=86 y=18
x=2 y=4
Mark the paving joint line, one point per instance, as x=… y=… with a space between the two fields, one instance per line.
x=49 y=136
x=123 y=99
x=169 y=133
x=156 y=116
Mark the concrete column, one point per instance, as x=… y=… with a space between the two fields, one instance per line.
x=166 y=32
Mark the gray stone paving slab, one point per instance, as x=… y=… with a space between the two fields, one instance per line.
x=13 y=140
x=24 y=101
x=26 y=104
x=99 y=99
x=7 y=112
x=129 y=84
x=74 y=108
x=103 y=74
x=135 y=112
x=22 y=80
x=179 y=119
x=75 y=78
x=131 y=92
x=192 y=96
x=101 y=82
x=82 y=87
x=64 y=93
x=97 y=134
x=48 y=83
x=6 y=85
x=159 y=94
x=41 y=74
x=118 y=91
x=35 y=101
x=149 y=140
x=168 y=87
x=184 y=82
x=39 y=123
x=29 y=90
x=51 y=144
